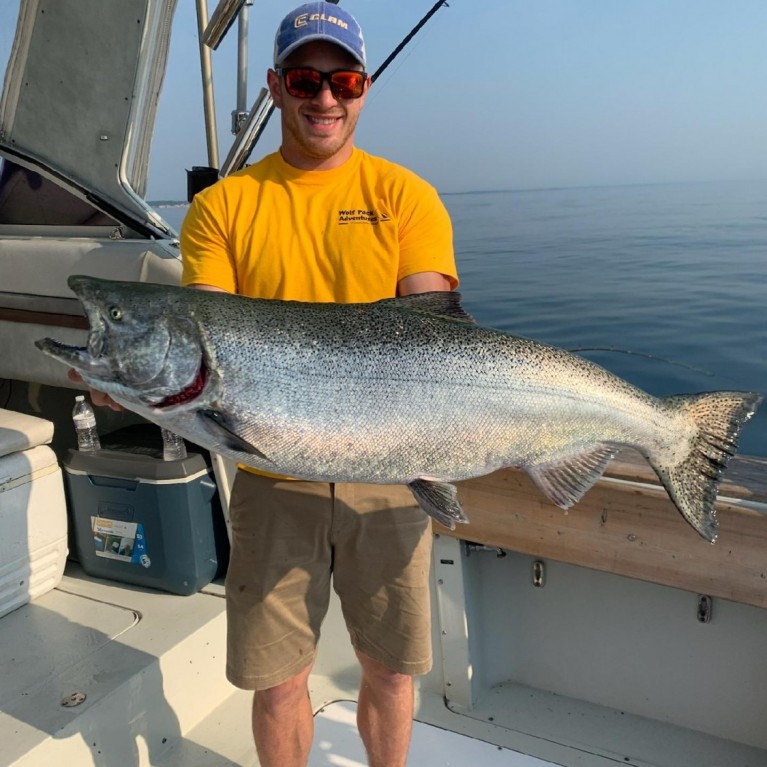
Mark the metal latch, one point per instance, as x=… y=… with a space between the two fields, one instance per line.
x=480 y=547
x=705 y=606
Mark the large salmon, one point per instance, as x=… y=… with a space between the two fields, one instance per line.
x=405 y=390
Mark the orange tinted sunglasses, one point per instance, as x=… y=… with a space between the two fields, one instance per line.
x=306 y=82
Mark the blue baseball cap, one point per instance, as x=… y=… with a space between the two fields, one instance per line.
x=318 y=21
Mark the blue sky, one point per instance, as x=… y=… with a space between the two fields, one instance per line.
x=517 y=94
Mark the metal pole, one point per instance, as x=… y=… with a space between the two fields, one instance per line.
x=250 y=131
x=208 y=100
x=240 y=113
x=242 y=59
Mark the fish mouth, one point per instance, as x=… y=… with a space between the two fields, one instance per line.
x=81 y=358
x=85 y=359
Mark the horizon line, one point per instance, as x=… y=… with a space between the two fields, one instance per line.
x=168 y=202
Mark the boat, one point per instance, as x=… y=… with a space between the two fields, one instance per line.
x=609 y=635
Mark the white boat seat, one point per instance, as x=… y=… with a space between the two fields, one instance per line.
x=33 y=514
x=19 y=431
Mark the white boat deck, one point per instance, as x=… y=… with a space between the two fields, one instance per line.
x=150 y=666
x=89 y=680
x=144 y=673
x=223 y=739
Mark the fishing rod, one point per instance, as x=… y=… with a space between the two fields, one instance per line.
x=413 y=32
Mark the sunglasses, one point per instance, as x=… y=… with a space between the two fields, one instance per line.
x=306 y=83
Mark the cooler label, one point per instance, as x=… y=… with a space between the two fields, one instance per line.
x=123 y=541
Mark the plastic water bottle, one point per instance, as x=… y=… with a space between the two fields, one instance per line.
x=84 y=420
x=173 y=447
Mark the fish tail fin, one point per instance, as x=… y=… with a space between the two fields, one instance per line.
x=692 y=483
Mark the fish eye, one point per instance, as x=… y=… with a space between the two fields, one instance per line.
x=116 y=313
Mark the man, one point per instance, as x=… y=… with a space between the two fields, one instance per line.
x=320 y=220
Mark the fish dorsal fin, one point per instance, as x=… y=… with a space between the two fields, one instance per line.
x=444 y=303
x=565 y=481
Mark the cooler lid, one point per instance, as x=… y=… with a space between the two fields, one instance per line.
x=20 y=468
x=121 y=464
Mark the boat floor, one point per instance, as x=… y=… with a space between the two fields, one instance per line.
x=101 y=673
x=81 y=683
x=224 y=740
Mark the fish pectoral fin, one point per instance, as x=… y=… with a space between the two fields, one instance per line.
x=218 y=425
x=565 y=481
x=439 y=500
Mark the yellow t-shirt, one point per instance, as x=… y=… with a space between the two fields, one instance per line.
x=346 y=235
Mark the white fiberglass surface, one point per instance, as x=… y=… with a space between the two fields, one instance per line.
x=337 y=744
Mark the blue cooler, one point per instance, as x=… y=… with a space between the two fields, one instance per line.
x=141 y=520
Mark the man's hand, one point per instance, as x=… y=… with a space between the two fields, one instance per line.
x=98 y=398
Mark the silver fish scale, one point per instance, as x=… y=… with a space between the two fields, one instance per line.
x=374 y=392
x=400 y=391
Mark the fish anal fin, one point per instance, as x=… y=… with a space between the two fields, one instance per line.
x=217 y=424
x=439 y=500
x=566 y=480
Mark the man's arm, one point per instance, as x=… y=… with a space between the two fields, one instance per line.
x=211 y=288
x=426 y=253
x=422 y=282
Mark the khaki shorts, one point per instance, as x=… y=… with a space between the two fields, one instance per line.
x=287 y=538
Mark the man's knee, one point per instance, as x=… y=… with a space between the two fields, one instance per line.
x=287 y=693
x=382 y=677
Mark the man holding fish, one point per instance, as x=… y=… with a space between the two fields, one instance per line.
x=320 y=220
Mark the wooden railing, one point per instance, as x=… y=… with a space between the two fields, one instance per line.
x=626 y=524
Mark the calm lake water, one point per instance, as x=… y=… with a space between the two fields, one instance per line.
x=671 y=277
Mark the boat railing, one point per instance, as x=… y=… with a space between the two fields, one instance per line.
x=627 y=525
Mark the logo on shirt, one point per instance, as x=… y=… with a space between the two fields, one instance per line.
x=361 y=216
